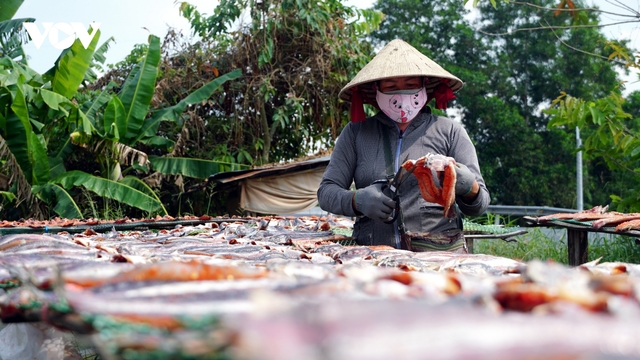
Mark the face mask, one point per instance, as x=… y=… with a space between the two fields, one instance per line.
x=402 y=105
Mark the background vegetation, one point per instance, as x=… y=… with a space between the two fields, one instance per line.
x=142 y=139
x=538 y=245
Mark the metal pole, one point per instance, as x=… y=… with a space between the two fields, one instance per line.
x=579 y=203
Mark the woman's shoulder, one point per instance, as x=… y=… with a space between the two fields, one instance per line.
x=446 y=122
x=371 y=122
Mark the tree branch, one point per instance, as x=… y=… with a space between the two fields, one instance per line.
x=585 y=52
x=636 y=16
x=555 y=27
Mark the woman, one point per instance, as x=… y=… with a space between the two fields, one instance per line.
x=400 y=81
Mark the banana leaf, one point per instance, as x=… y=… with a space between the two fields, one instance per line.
x=17 y=69
x=8 y=8
x=112 y=190
x=172 y=113
x=196 y=168
x=71 y=66
x=137 y=92
x=81 y=121
x=39 y=159
x=139 y=185
x=8 y=196
x=18 y=130
x=91 y=107
x=55 y=100
x=16 y=134
x=98 y=57
x=113 y=115
x=56 y=167
x=12 y=36
x=65 y=207
x=159 y=142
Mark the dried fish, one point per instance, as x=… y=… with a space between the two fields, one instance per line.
x=628 y=225
x=171 y=271
x=614 y=220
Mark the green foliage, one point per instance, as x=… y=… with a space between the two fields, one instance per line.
x=533 y=245
x=12 y=35
x=134 y=57
x=30 y=106
x=65 y=206
x=173 y=113
x=98 y=59
x=123 y=129
x=298 y=55
x=137 y=92
x=9 y=8
x=197 y=168
x=119 y=191
x=536 y=245
x=72 y=65
x=612 y=139
x=614 y=248
x=34 y=104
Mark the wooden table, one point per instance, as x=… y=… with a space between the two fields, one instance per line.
x=577 y=235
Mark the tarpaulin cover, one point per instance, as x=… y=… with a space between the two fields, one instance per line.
x=282 y=194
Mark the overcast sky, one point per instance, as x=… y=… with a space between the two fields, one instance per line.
x=130 y=22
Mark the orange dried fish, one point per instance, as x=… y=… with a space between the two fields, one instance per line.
x=614 y=220
x=449 y=190
x=445 y=169
x=428 y=189
x=579 y=216
x=169 y=271
x=628 y=225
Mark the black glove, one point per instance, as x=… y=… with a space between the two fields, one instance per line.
x=464 y=179
x=372 y=203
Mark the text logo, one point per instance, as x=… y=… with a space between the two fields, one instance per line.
x=72 y=30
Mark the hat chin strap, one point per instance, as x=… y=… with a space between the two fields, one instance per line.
x=357 y=109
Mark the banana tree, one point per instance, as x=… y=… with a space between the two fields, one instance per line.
x=12 y=34
x=30 y=104
x=113 y=124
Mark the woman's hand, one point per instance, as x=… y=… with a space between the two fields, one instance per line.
x=466 y=185
x=373 y=203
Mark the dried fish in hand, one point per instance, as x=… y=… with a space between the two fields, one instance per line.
x=430 y=168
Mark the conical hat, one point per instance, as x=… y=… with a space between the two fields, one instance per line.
x=397 y=59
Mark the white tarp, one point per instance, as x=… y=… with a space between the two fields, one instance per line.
x=282 y=194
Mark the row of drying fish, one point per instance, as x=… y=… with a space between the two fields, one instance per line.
x=287 y=288
x=599 y=217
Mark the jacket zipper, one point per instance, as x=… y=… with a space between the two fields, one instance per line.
x=397 y=167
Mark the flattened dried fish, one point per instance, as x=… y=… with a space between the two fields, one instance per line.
x=173 y=271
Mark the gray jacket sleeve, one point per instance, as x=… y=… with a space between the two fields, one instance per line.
x=334 y=195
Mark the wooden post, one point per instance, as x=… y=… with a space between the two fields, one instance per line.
x=577 y=246
x=469 y=242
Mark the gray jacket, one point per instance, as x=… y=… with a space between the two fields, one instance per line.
x=359 y=158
